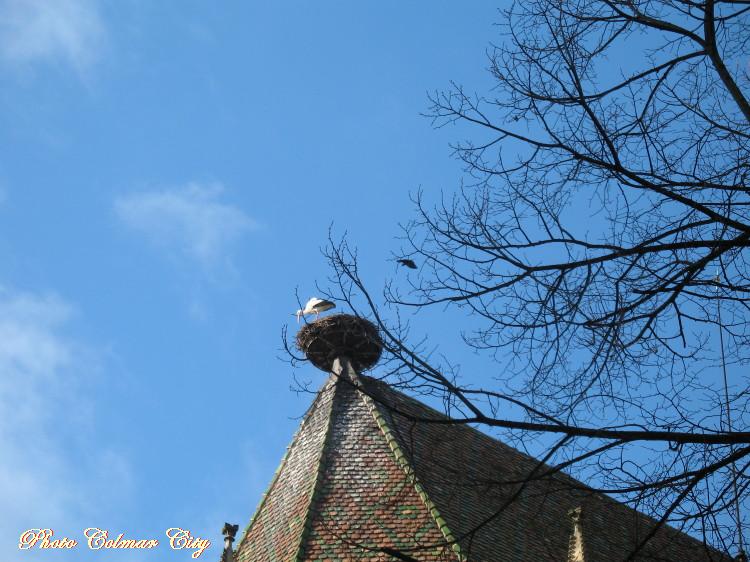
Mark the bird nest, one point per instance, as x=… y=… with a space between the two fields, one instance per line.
x=340 y=335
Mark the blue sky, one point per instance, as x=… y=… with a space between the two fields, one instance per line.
x=168 y=175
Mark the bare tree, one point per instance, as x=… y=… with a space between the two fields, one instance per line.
x=601 y=245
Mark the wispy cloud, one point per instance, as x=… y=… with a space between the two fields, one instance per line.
x=68 y=31
x=49 y=476
x=191 y=220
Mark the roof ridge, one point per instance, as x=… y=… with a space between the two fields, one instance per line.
x=402 y=460
x=315 y=489
x=285 y=458
x=459 y=422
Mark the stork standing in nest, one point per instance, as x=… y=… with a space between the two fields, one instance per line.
x=314 y=306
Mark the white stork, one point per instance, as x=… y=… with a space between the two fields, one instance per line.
x=315 y=306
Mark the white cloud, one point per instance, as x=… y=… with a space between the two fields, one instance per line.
x=31 y=354
x=49 y=476
x=70 y=31
x=190 y=220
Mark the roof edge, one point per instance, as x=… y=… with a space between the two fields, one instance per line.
x=600 y=496
x=315 y=489
x=283 y=462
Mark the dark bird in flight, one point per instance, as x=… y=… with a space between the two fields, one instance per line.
x=408 y=263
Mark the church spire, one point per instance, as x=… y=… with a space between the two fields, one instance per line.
x=373 y=473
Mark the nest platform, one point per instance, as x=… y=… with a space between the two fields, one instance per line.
x=340 y=335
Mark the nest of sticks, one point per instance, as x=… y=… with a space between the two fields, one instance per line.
x=340 y=335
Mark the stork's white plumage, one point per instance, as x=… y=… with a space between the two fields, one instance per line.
x=315 y=306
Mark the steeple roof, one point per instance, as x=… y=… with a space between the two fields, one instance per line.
x=373 y=474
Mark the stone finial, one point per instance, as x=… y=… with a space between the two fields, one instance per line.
x=229 y=531
x=340 y=335
x=575 y=545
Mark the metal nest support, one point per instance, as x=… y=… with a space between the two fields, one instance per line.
x=340 y=335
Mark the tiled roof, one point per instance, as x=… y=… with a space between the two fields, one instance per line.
x=361 y=477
